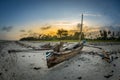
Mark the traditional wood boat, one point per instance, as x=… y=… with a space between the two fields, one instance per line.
x=57 y=58
x=64 y=55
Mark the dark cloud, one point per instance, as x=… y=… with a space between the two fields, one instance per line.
x=23 y=35
x=7 y=28
x=45 y=28
x=22 y=30
x=30 y=31
x=112 y=28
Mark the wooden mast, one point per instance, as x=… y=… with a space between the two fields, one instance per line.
x=80 y=37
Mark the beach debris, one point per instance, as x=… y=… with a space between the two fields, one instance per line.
x=114 y=65
x=116 y=57
x=105 y=55
x=79 y=78
x=78 y=65
x=6 y=70
x=0 y=73
x=23 y=55
x=112 y=71
x=108 y=76
x=65 y=77
x=37 y=68
x=46 y=45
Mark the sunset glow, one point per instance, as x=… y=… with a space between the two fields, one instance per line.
x=21 y=18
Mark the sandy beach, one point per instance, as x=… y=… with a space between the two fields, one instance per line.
x=84 y=66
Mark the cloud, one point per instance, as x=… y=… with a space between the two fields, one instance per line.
x=95 y=15
x=23 y=35
x=22 y=30
x=7 y=28
x=117 y=25
x=45 y=28
x=30 y=31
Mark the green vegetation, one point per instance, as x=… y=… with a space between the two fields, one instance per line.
x=62 y=35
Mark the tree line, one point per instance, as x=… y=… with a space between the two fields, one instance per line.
x=109 y=35
x=63 y=34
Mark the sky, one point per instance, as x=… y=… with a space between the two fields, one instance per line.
x=18 y=17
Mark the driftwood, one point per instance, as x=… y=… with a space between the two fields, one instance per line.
x=105 y=54
x=29 y=50
x=46 y=45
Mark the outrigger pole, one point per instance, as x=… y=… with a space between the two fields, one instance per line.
x=80 y=36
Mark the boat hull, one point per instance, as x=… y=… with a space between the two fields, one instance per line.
x=56 y=59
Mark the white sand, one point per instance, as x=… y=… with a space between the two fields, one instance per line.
x=20 y=66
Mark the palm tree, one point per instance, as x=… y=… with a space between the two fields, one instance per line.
x=62 y=33
x=59 y=33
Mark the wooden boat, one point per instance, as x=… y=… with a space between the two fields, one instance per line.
x=58 y=58
x=65 y=55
